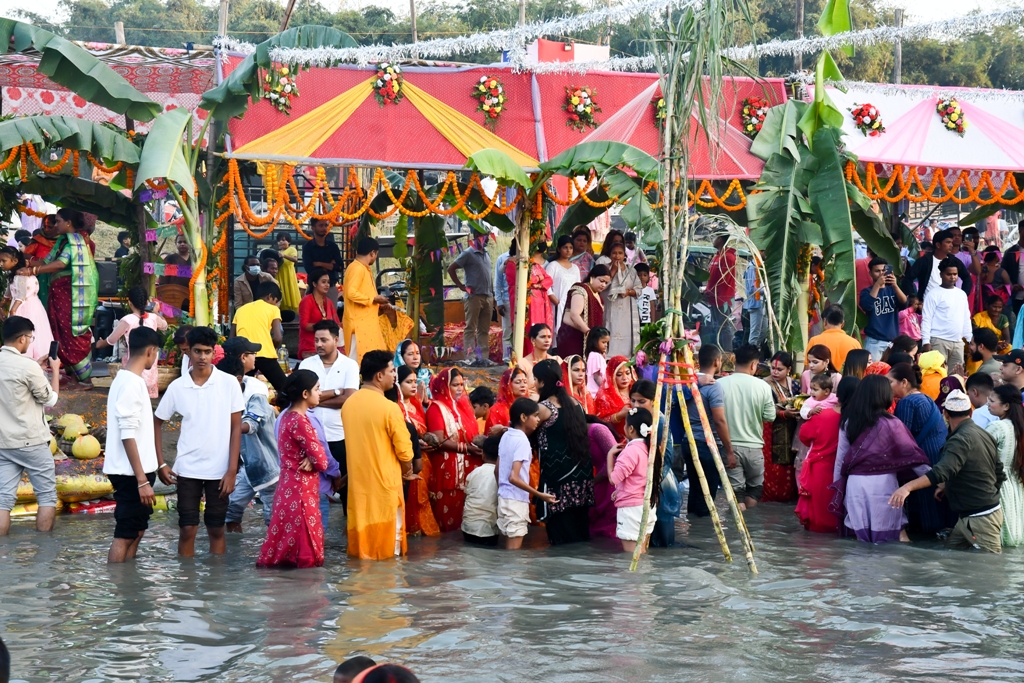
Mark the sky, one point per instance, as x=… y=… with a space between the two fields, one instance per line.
x=918 y=11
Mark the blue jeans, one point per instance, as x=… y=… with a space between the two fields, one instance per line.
x=325 y=509
x=876 y=347
x=755 y=335
x=243 y=495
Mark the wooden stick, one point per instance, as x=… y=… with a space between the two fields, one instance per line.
x=730 y=496
x=699 y=469
x=641 y=542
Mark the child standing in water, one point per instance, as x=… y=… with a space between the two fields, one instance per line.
x=596 y=352
x=627 y=471
x=514 y=456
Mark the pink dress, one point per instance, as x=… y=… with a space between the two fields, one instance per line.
x=539 y=308
x=295 y=537
x=25 y=291
x=120 y=333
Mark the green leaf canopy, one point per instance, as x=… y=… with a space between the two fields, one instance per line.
x=163 y=155
x=68 y=65
x=231 y=97
x=86 y=136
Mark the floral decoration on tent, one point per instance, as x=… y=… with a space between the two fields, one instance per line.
x=279 y=87
x=490 y=96
x=755 y=109
x=952 y=116
x=580 y=106
x=388 y=86
x=868 y=119
x=659 y=108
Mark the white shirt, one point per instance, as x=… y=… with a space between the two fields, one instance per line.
x=647 y=297
x=129 y=416
x=480 y=513
x=947 y=315
x=251 y=387
x=344 y=374
x=205 y=439
x=982 y=417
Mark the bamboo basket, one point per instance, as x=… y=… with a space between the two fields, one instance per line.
x=165 y=375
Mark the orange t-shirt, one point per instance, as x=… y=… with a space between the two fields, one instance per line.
x=838 y=342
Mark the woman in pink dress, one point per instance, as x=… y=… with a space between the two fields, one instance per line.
x=295 y=537
x=540 y=299
x=138 y=299
x=24 y=292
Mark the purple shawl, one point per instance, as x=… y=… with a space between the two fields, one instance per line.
x=886 y=448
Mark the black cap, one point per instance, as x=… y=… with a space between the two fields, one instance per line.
x=236 y=346
x=1016 y=357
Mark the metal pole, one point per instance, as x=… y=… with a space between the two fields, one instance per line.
x=897 y=69
x=798 y=33
x=119 y=33
x=222 y=18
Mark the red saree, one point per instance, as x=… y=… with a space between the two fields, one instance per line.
x=609 y=401
x=578 y=391
x=419 y=517
x=449 y=467
x=571 y=341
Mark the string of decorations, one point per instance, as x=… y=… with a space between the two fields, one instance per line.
x=923 y=92
x=905 y=182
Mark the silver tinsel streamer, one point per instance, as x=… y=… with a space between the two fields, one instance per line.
x=514 y=41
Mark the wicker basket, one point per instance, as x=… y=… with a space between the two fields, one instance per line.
x=112 y=369
x=165 y=375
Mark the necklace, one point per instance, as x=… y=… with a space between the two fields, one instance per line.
x=321 y=306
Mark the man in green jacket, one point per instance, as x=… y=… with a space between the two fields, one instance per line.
x=969 y=474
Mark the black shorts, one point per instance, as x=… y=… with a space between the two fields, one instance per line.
x=130 y=515
x=190 y=491
x=489 y=541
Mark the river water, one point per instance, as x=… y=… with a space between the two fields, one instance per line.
x=821 y=609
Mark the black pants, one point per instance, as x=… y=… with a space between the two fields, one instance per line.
x=337 y=449
x=489 y=541
x=272 y=371
x=695 y=503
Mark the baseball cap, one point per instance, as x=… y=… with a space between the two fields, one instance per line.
x=236 y=346
x=1016 y=357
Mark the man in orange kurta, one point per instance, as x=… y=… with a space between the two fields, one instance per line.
x=362 y=303
x=379 y=454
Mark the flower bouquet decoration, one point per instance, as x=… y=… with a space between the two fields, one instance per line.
x=489 y=94
x=660 y=110
x=868 y=119
x=387 y=88
x=755 y=109
x=953 y=118
x=280 y=88
x=580 y=106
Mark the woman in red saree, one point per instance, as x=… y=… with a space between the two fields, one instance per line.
x=295 y=537
x=541 y=300
x=612 y=400
x=584 y=311
x=574 y=377
x=456 y=454
x=419 y=517
x=514 y=384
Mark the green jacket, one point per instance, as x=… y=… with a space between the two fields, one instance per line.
x=970 y=468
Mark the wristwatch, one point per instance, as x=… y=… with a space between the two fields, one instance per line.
x=337 y=392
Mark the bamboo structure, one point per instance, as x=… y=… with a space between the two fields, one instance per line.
x=730 y=496
x=641 y=542
x=522 y=279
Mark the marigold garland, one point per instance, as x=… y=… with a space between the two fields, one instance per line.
x=489 y=94
x=279 y=87
x=953 y=118
x=905 y=179
x=868 y=119
x=754 y=111
x=388 y=86
x=580 y=107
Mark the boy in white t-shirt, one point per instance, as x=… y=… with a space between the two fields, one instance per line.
x=131 y=459
x=480 y=513
x=647 y=302
x=210 y=404
x=514 y=456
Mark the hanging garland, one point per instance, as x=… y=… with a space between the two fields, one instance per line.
x=388 y=86
x=580 y=107
x=489 y=94
x=867 y=119
x=279 y=87
x=755 y=109
x=953 y=118
x=659 y=109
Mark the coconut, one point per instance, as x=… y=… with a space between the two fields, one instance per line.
x=74 y=431
x=86 y=447
x=68 y=419
x=53 y=446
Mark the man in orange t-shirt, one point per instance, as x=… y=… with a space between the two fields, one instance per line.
x=837 y=341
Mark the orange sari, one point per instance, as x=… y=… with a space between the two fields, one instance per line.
x=418 y=515
x=609 y=401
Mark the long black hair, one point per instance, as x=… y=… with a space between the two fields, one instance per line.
x=300 y=381
x=595 y=335
x=869 y=403
x=139 y=298
x=1010 y=395
x=548 y=374
x=75 y=218
x=16 y=254
x=856 y=363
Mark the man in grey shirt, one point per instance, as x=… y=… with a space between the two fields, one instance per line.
x=479 y=288
x=24 y=436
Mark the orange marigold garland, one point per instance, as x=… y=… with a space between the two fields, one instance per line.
x=489 y=93
x=388 y=86
x=580 y=106
x=755 y=109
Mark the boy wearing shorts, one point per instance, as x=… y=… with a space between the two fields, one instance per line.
x=131 y=459
x=210 y=404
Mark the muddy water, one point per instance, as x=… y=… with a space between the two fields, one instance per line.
x=821 y=609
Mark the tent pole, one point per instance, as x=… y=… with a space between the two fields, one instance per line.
x=522 y=281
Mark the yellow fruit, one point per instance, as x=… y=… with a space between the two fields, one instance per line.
x=68 y=419
x=86 y=447
x=53 y=446
x=73 y=431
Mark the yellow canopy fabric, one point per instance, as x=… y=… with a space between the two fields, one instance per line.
x=301 y=137
x=465 y=134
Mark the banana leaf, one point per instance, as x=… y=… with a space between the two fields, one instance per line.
x=80 y=194
x=231 y=97
x=870 y=226
x=163 y=156
x=500 y=166
x=779 y=132
x=429 y=234
x=581 y=213
x=86 y=136
x=602 y=156
x=980 y=213
x=74 y=68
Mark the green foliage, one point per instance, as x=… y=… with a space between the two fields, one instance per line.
x=164 y=154
x=68 y=65
x=500 y=166
x=81 y=194
x=70 y=133
x=429 y=237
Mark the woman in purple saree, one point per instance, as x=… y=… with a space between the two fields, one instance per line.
x=876 y=454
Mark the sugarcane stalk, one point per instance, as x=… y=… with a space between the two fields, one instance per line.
x=730 y=496
x=641 y=542
x=716 y=521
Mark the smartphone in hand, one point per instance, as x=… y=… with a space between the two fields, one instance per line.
x=54 y=349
